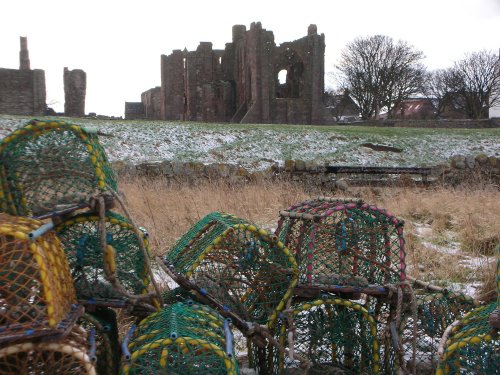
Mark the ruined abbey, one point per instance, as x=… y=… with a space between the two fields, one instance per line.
x=22 y=91
x=241 y=83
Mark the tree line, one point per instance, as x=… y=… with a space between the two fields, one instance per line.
x=379 y=74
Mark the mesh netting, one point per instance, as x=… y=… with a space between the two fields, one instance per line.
x=344 y=243
x=103 y=339
x=244 y=267
x=90 y=264
x=49 y=166
x=474 y=346
x=62 y=357
x=334 y=334
x=184 y=338
x=471 y=345
x=36 y=289
x=435 y=312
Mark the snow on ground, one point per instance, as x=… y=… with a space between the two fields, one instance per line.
x=257 y=147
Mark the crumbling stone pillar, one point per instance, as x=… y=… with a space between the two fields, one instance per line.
x=24 y=57
x=75 y=87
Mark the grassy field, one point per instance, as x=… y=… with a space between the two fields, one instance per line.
x=257 y=147
x=450 y=234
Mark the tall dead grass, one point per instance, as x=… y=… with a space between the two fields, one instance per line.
x=469 y=216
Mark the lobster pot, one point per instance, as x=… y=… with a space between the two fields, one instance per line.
x=247 y=269
x=103 y=338
x=91 y=264
x=69 y=355
x=333 y=334
x=344 y=243
x=48 y=166
x=37 y=297
x=184 y=338
x=474 y=345
x=435 y=312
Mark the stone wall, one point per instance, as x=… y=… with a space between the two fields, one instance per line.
x=134 y=111
x=479 y=169
x=451 y=124
x=75 y=88
x=22 y=92
x=240 y=83
x=151 y=101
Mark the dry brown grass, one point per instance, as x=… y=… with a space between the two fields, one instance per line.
x=167 y=211
x=470 y=216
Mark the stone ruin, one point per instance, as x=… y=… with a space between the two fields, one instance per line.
x=75 y=86
x=23 y=92
x=241 y=84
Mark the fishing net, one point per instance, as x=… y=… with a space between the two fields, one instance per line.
x=471 y=345
x=244 y=267
x=50 y=166
x=110 y=275
x=61 y=357
x=344 y=245
x=103 y=339
x=474 y=345
x=435 y=312
x=184 y=338
x=336 y=335
x=36 y=290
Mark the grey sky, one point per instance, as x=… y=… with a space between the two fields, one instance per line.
x=119 y=42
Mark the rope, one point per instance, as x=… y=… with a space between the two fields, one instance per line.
x=110 y=272
x=398 y=289
x=141 y=244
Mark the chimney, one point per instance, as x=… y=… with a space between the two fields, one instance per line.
x=24 y=58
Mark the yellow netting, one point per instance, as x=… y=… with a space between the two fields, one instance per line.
x=63 y=357
x=36 y=288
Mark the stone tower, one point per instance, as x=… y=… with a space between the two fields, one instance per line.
x=75 y=87
x=24 y=57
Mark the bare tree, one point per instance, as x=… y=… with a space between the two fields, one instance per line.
x=474 y=83
x=436 y=89
x=380 y=73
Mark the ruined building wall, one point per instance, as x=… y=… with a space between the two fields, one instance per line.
x=151 y=100
x=75 y=87
x=240 y=83
x=134 y=111
x=22 y=92
x=172 y=86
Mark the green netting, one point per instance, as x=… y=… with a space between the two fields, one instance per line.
x=184 y=338
x=435 y=312
x=179 y=294
x=47 y=166
x=103 y=336
x=474 y=346
x=346 y=243
x=336 y=335
x=244 y=267
x=82 y=243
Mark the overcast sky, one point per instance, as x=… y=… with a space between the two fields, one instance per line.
x=119 y=42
